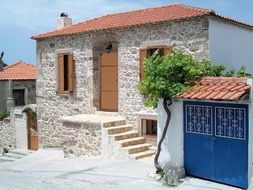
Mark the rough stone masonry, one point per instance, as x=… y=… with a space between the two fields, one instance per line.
x=190 y=36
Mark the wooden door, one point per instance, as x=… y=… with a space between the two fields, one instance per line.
x=32 y=131
x=109 y=82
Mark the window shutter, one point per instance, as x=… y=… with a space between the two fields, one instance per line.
x=143 y=56
x=60 y=73
x=70 y=73
x=167 y=50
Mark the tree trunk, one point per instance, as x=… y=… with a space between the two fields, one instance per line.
x=166 y=103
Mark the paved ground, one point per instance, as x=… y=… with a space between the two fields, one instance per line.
x=47 y=169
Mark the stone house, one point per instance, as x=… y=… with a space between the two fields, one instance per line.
x=17 y=90
x=96 y=66
x=17 y=85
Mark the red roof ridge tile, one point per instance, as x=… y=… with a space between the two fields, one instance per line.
x=160 y=7
x=17 y=63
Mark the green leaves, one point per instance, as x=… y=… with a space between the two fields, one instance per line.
x=169 y=76
x=242 y=72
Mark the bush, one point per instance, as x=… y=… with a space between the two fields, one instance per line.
x=3 y=115
x=169 y=76
x=5 y=151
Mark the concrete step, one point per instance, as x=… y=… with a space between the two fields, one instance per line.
x=107 y=113
x=132 y=141
x=7 y=159
x=138 y=148
x=125 y=135
x=114 y=123
x=154 y=148
x=12 y=155
x=144 y=154
x=119 y=129
x=21 y=152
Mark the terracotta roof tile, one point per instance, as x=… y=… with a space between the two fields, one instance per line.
x=129 y=19
x=237 y=95
x=136 y=18
x=19 y=71
x=218 y=88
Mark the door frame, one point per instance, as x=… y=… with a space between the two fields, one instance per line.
x=100 y=84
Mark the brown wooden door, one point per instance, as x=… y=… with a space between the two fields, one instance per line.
x=32 y=131
x=109 y=82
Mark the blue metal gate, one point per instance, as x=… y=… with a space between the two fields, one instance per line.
x=216 y=142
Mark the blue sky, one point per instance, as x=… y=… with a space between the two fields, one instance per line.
x=19 y=20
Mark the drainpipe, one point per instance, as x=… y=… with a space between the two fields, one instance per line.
x=10 y=100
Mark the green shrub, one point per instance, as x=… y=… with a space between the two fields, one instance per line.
x=3 y=115
x=169 y=76
x=5 y=151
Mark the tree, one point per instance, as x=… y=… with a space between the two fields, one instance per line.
x=167 y=77
x=2 y=64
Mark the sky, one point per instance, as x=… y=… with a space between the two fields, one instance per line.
x=19 y=20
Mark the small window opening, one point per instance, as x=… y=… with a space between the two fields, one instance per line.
x=19 y=97
x=151 y=51
x=149 y=130
x=66 y=70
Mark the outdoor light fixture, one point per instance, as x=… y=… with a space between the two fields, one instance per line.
x=109 y=48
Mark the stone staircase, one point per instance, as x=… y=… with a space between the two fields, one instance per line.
x=127 y=138
x=14 y=155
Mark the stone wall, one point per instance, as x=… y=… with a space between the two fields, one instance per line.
x=190 y=36
x=4 y=92
x=81 y=139
x=7 y=134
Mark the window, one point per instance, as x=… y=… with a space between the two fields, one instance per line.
x=149 y=127
x=149 y=130
x=153 y=50
x=147 y=52
x=65 y=69
x=19 y=97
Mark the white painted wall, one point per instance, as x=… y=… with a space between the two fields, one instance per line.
x=21 y=129
x=230 y=45
x=172 y=148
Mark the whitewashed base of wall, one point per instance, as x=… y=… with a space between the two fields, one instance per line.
x=172 y=176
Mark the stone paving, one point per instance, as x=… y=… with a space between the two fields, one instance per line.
x=47 y=169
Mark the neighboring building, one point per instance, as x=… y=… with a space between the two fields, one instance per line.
x=96 y=65
x=17 y=85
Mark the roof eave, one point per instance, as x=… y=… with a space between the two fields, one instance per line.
x=231 y=20
x=6 y=79
x=240 y=100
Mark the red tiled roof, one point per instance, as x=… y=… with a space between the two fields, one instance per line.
x=128 y=19
x=218 y=88
x=19 y=71
x=136 y=18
